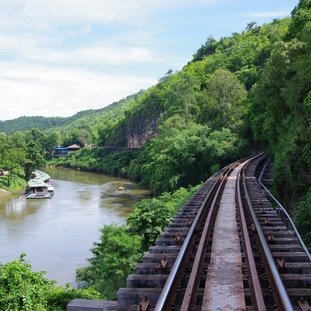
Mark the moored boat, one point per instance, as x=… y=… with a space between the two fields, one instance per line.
x=45 y=177
x=38 y=189
x=42 y=175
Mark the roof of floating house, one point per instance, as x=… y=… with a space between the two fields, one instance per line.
x=36 y=182
x=60 y=148
x=75 y=146
x=42 y=175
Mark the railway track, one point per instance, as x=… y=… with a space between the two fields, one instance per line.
x=231 y=247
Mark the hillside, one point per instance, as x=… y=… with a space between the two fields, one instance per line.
x=193 y=121
x=27 y=123
x=87 y=118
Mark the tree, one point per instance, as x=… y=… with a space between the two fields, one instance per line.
x=223 y=104
x=208 y=48
x=114 y=257
x=53 y=140
x=25 y=290
x=21 y=288
x=302 y=218
x=34 y=157
x=150 y=216
x=12 y=157
x=181 y=96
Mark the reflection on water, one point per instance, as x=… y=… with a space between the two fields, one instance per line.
x=57 y=233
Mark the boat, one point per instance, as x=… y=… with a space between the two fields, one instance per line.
x=45 y=177
x=40 y=174
x=38 y=189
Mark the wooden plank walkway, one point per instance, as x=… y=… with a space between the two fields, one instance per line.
x=224 y=284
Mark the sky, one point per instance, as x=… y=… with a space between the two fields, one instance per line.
x=63 y=56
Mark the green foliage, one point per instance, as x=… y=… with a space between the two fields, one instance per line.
x=13 y=183
x=12 y=159
x=22 y=289
x=58 y=296
x=280 y=107
x=114 y=257
x=98 y=160
x=150 y=216
x=183 y=155
x=302 y=218
x=34 y=157
x=28 y=123
x=208 y=48
x=222 y=104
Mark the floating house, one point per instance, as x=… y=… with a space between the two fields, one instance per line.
x=38 y=189
x=45 y=177
x=59 y=152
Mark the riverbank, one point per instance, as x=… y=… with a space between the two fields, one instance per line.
x=13 y=185
x=4 y=193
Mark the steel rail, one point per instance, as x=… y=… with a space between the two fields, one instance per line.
x=255 y=284
x=279 y=286
x=280 y=209
x=188 y=297
x=170 y=282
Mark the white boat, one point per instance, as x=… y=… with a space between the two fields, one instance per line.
x=50 y=188
x=45 y=177
x=38 y=189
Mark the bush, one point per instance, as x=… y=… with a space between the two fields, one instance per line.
x=150 y=216
x=25 y=290
x=302 y=218
x=114 y=257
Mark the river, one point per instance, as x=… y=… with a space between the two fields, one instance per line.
x=56 y=234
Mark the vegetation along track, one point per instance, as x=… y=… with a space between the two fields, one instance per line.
x=229 y=248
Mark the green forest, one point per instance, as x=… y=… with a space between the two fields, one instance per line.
x=240 y=94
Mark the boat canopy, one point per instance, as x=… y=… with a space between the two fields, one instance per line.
x=44 y=176
x=36 y=182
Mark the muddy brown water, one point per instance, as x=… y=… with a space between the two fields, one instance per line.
x=56 y=234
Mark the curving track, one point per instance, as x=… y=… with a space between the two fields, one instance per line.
x=231 y=247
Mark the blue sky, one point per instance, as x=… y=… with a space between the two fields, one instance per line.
x=63 y=56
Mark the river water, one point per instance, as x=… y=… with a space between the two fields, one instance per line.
x=56 y=234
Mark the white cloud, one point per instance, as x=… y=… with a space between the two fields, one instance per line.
x=38 y=48
x=33 y=90
x=87 y=11
x=83 y=31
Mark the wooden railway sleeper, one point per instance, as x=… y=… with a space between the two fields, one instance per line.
x=144 y=304
x=303 y=304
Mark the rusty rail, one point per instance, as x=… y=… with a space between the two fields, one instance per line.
x=188 y=297
x=256 y=287
x=165 y=298
x=283 y=214
x=283 y=300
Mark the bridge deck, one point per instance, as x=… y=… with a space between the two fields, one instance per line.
x=224 y=283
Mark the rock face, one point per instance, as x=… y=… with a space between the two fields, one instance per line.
x=140 y=130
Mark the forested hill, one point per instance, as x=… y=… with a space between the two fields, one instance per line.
x=193 y=121
x=79 y=120
x=27 y=123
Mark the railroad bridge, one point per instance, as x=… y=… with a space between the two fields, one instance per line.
x=231 y=247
